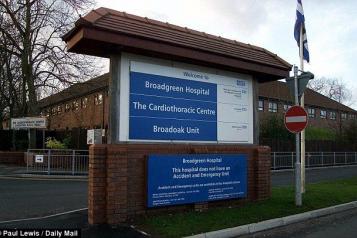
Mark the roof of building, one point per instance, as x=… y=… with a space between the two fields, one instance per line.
x=278 y=90
x=76 y=90
x=105 y=31
x=273 y=90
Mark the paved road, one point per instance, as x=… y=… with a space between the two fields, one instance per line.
x=24 y=198
x=285 y=178
x=343 y=225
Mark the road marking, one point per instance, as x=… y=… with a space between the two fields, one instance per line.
x=44 y=217
x=142 y=232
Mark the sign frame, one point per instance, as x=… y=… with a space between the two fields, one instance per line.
x=127 y=64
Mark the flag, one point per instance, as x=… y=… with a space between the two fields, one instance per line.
x=300 y=22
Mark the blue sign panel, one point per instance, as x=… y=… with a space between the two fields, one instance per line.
x=172 y=129
x=150 y=84
x=161 y=107
x=182 y=179
x=166 y=108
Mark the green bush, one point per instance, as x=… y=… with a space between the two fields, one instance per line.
x=67 y=141
x=350 y=133
x=316 y=133
x=273 y=127
x=52 y=143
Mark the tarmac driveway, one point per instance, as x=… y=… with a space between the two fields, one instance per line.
x=27 y=198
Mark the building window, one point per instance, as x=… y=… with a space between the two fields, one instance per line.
x=84 y=102
x=333 y=115
x=261 y=105
x=352 y=116
x=53 y=111
x=67 y=107
x=75 y=105
x=59 y=109
x=98 y=99
x=323 y=114
x=273 y=107
x=343 y=116
x=286 y=107
x=311 y=112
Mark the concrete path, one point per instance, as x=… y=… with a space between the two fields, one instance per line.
x=6 y=170
x=342 y=225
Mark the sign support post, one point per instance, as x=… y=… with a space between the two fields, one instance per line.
x=298 y=196
x=297 y=85
x=302 y=102
x=29 y=139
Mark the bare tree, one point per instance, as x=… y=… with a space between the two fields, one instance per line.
x=9 y=81
x=332 y=88
x=30 y=35
x=9 y=85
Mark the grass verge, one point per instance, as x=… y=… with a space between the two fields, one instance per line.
x=281 y=204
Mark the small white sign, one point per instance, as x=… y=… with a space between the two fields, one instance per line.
x=28 y=122
x=94 y=136
x=39 y=158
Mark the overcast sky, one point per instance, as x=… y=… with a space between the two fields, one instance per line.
x=331 y=27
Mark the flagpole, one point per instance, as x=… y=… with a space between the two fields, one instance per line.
x=302 y=103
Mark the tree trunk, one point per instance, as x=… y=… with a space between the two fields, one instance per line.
x=27 y=66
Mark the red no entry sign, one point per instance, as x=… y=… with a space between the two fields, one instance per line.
x=295 y=119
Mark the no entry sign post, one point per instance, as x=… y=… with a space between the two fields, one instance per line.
x=298 y=194
x=295 y=122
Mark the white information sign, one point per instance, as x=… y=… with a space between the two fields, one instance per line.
x=167 y=103
x=94 y=136
x=28 y=123
x=39 y=158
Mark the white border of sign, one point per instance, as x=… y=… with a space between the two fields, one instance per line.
x=174 y=69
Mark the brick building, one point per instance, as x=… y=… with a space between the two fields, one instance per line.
x=85 y=105
x=323 y=112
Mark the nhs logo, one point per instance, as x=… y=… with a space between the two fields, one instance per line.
x=241 y=83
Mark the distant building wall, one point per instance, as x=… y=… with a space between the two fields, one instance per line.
x=89 y=111
x=318 y=116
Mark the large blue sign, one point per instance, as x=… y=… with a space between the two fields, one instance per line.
x=187 y=178
x=167 y=108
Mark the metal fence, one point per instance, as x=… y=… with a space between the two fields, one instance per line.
x=75 y=162
x=286 y=160
x=51 y=161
